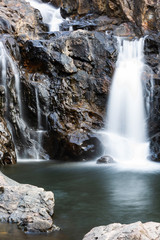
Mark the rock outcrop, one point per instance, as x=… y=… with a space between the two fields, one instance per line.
x=72 y=89
x=143 y=14
x=65 y=76
x=133 y=231
x=29 y=206
x=20 y=19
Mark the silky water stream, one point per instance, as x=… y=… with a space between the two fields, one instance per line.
x=125 y=136
x=51 y=16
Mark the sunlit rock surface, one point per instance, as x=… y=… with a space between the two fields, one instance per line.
x=28 y=206
x=133 y=231
x=145 y=14
x=19 y=18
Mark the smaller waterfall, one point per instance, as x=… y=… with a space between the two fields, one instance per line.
x=10 y=79
x=51 y=16
x=39 y=131
x=5 y=61
x=126 y=132
x=38 y=109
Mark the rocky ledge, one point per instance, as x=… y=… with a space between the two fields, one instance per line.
x=133 y=231
x=29 y=206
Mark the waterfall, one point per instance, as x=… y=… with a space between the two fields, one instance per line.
x=39 y=131
x=12 y=112
x=51 y=16
x=5 y=61
x=126 y=130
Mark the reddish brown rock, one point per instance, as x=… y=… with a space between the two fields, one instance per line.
x=145 y=14
x=19 y=18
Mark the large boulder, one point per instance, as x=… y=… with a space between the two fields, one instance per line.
x=133 y=231
x=30 y=207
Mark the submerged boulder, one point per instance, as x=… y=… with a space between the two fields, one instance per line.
x=106 y=160
x=30 y=207
x=133 y=231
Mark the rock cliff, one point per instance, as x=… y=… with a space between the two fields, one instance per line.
x=64 y=77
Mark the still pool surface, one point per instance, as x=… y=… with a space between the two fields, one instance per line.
x=88 y=195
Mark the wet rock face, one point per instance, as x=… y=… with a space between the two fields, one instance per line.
x=65 y=76
x=55 y=3
x=115 y=231
x=73 y=85
x=28 y=206
x=152 y=56
x=7 y=150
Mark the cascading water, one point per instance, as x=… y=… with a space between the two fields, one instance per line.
x=5 y=59
x=39 y=130
x=126 y=131
x=14 y=112
x=51 y=16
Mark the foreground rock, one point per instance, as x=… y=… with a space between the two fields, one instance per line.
x=28 y=206
x=117 y=231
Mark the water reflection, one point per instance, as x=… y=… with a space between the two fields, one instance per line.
x=88 y=195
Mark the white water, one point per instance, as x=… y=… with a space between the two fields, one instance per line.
x=51 y=16
x=39 y=132
x=125 y=135
x=5 y=62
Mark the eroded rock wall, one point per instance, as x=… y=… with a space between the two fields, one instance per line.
x=73 y=76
